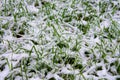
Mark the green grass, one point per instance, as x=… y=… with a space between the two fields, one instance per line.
x=80 y=36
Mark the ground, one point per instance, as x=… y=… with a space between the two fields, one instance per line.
x=59 y=40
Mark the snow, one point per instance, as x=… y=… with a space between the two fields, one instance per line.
x=32 y=9
x=43 y=34
x=4 y=73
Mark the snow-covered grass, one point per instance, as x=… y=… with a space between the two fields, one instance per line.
x=59 y=40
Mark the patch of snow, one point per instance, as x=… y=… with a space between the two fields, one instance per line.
x=32 y=9
x=4 y=73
